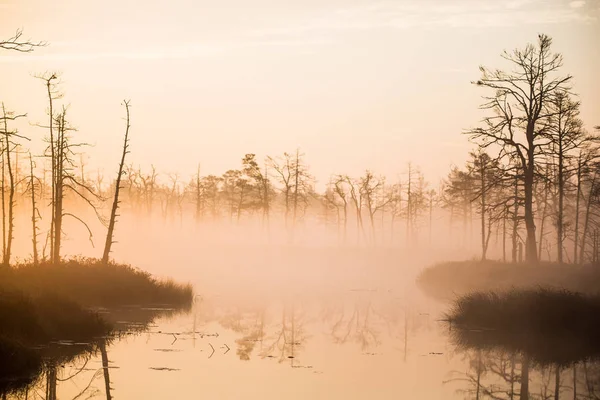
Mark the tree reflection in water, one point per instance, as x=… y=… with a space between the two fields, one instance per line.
x=526 y=368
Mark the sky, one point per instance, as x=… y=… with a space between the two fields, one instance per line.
x=354 y=84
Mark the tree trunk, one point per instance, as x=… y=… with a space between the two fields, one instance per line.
x=113 y=214
x=198 y=195
x=3 y=203
x=482 y=172
x=504 y=234
x=430 y=220
x=296 y=183
x=586 y=220
x=345 y=220
x=58 y=197
x=105 y=369
x=51 y=383
x=515 y=225
x=409 y=207
x=11 y=191
x=53 y=166
x=561 y=195
x=267 y=204
x=577 y=199
x=33 y=212
x=530 y=241
x=543 y=220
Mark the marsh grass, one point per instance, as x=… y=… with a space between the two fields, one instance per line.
x=550 y=326
x=53 y=314
x=39 y=330
x=451 y=279
x=41 y=319
x=92 y=284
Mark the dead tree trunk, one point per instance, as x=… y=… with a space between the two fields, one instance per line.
x=59 y=186
x=105 y=370
x=34 y=212
x=586 y=220
x=11 y=190
x=198 y=195
x=53 y=165
x=504 y=215
x=3 y=200
x=515 y=225
x=543 y=219
x=115 y=206
x=577 y=201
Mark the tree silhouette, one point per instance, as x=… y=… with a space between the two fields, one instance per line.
x=18 y=43
x=519 y=107
x=115 y=205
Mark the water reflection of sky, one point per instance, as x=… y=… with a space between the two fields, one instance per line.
x=354 y=344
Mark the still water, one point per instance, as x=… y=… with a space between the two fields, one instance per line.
x=343 y=339
x=352 y=345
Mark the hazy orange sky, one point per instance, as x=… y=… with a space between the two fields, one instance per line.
x=355 y=84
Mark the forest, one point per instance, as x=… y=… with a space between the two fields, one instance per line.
x=529 y=190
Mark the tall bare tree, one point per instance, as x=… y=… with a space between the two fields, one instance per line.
x=283 y=170
x=115 y=206
x=339 y=187
x=8 y=146
x=35 y=213
x=565 y=132
x=66 y=180
x=518 y=107
x=370 y=188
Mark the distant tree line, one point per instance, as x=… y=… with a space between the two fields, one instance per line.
x=530 y=189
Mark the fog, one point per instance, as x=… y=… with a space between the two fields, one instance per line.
x=309 y=199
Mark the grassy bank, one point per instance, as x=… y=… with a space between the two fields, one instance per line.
x=50 y=314
x=452 y=279
x=551 y=327
x=30 y=328
x=90 y=283
x=41 y=319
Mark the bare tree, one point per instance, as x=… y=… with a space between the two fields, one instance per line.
x=566 y=135
x=357 y=200
x=67 y=181
x=113 y=214
x=8 y=148
x=369 y=190
x=341 y=191
x=283 y=171
x=18 y=43
x=259 y=185
x=519 y=112
x=50 y=81
x=486 y=176
x=457 y=195
x=35 y=213
x=302 y=185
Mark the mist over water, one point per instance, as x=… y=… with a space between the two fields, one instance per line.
x=300 y=200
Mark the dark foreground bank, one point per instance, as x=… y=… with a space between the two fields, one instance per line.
x=549 y=326
x=50 y=314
